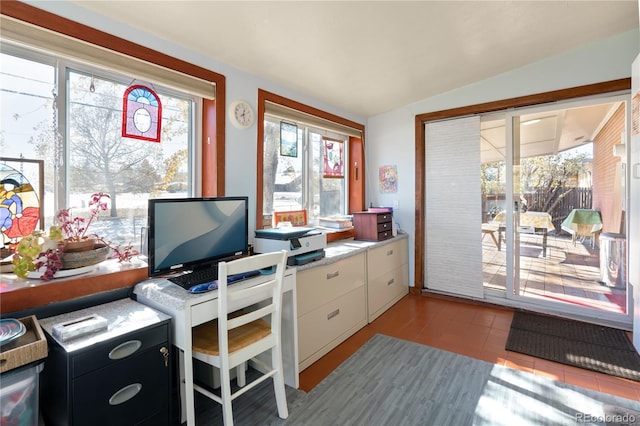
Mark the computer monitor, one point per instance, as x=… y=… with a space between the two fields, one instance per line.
x=194 y=233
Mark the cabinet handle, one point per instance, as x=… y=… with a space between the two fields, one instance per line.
x=125 y=349
x=391 y=281
x=333 y=275
x=125 y=394
x=165 y=354
x=333 y=314
x=390 y=252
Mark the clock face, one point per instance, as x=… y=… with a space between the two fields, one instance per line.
x=241 y=114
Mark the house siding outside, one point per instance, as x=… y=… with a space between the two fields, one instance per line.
x=607 y=173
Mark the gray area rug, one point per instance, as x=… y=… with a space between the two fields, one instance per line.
x=390 y=381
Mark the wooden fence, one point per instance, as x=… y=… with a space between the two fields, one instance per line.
x=559 y=202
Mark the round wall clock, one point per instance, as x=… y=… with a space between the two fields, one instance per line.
x=241 y=114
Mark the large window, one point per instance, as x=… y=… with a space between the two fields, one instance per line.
x=70 y=115
x=294 y=175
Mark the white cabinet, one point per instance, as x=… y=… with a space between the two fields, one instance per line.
x=331 y=306
x=338 y=297
x=387 y=276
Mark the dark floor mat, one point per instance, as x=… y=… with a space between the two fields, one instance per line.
x=576 y=343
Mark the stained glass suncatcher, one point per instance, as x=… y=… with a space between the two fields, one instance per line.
x=333 y=158
x=19 y=205
x=141 y=114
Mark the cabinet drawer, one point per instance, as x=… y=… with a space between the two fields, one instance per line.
x=386 y=288
x=118 y=349
x=383 y=217
x=385 y=235
x=383 y=259
x=320 y=327
x=125 y=393
x=384 y=226
x=320 y=285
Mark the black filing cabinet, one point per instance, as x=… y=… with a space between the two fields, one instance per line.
x=118 y=376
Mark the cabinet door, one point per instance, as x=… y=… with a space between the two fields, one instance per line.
x=124 y=393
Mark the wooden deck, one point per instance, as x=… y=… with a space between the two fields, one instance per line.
x=569 y=273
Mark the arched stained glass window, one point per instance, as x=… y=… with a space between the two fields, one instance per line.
x=141 y=114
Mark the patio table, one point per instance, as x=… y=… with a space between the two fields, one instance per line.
x=582 y=223
x=537 y=223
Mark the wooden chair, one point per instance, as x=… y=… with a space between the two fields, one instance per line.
x=239 y=336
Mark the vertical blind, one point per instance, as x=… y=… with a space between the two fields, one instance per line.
x=453 y=255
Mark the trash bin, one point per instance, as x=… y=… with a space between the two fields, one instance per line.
x=19 y=396
x=612 y=259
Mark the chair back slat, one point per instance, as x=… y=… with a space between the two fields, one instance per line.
x=249 y=317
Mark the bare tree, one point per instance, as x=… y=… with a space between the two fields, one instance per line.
x=271 y=154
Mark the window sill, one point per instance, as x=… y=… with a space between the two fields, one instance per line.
x=18 y=294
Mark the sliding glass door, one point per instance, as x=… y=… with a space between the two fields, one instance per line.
x=554 y=182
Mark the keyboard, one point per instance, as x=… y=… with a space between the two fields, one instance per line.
x=203 y=280
x=193 y=278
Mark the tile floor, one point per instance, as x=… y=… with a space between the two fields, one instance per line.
x=475 y=330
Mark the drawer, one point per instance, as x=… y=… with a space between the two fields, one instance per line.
x=319 y=285
x=383 y=217
x=384 y=226
x=125 y=393
x=320 y=327
x=386 y=288
x=381 y=260
x=385 y=235
x=118 y=349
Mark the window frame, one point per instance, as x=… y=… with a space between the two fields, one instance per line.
x=212 y=142
x=355 y=184
x=210 y=151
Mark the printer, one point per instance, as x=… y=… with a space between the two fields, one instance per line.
x=303 y=244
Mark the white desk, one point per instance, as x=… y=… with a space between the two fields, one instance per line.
x=189 y=310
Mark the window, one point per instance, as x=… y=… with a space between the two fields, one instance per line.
x=283 y=165
x=298 y=182
x=70 y=115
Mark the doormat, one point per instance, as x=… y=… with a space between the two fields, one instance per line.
x=589 y=346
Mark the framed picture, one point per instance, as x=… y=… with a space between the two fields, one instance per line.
x=388 y=179
x=288 y=139
x=333 y=157
x=293 y=217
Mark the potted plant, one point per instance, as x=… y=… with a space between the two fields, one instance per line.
x=67 y=245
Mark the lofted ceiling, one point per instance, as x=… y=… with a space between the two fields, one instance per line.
x=369 y=57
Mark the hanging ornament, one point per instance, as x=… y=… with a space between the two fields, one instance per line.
x=141 y=114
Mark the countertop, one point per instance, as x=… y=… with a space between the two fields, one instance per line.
x=342 y=249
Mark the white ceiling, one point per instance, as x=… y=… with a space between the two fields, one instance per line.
x=369 y=57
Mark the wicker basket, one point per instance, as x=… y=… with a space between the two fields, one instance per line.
x=72 y=260
x=28 y=348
